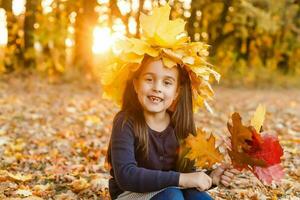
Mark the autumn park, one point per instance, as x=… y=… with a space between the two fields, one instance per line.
x=64 y=65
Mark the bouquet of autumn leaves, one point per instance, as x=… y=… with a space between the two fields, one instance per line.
x=250 y=148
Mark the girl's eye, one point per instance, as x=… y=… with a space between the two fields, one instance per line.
x=148 y=79
x=168 y=83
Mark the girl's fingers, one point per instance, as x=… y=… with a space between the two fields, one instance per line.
x=234 y=171
x=203 y=188
x=226 y=178
x=229 y=174
x=225 y=166
x=209 y=183
x=225 y=183
x=222 y=168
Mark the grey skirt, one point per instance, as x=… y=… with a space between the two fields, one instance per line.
x=127 y=195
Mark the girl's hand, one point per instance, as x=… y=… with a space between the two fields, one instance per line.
x=198 y=180
x=228 y=176
x=224 y=175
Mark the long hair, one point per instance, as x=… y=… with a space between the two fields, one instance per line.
x=182 y=117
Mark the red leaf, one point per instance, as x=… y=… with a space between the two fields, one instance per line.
x=270 y=150
x=268 y=174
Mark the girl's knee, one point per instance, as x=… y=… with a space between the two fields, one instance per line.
x=169 y=193
x=194 y=194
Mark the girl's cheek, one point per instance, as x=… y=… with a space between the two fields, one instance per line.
x=146 y=86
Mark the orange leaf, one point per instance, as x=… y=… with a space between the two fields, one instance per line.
x=239 y=133
x=202 y=150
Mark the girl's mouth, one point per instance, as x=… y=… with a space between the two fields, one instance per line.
x=155 y=99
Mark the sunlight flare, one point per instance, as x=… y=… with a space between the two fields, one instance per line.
x=3 y=29
x=47 y=6
x=18 y=7
x=103 y=40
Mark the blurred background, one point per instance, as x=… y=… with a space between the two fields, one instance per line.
x=253 y=42
x=55 y=126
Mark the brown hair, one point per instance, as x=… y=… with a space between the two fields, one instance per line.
x=182 y=117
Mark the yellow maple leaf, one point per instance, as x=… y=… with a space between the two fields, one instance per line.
x=136 y=46
x=168 y=62
x=258 y=117
x=202 y=150
x=158 y=30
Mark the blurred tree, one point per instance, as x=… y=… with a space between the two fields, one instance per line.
x=137 y=17
x=86 y=20
x=30 y=19
x=52 y=32
x=115 y=12
x=13 y=51
x=249 y=39
x=7 y=5
x=252 y=41
x=208 y=18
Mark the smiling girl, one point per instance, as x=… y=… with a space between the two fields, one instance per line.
x=157 y=104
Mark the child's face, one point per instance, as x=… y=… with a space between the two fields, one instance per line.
x=156 y=86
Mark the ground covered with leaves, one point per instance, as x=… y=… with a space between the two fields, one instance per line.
x=53 y=138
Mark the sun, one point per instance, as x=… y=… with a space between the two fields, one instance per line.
x=103 y=40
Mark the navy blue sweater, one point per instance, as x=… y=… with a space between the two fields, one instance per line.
x=131 y=171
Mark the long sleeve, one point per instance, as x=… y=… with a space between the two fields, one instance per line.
x=127 y=174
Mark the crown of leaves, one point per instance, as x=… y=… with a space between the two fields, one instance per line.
x=168 y=40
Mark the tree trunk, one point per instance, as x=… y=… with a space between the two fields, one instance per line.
x=137 y=18
x=85 y=22
x=13 y=48
x=190 y=24
x=215 y=42
x=29 y=53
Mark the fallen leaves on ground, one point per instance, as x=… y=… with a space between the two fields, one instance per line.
x=53 y=139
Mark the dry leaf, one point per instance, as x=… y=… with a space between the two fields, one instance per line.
x=19 y=177
x=203 y=150
x=258 y=118
x=79 y=185
x=24 y=192
x=160 y=31
x=239 y=133
x=42 y=190
x=239 y=136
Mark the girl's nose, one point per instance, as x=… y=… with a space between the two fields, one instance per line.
x=157 y=87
